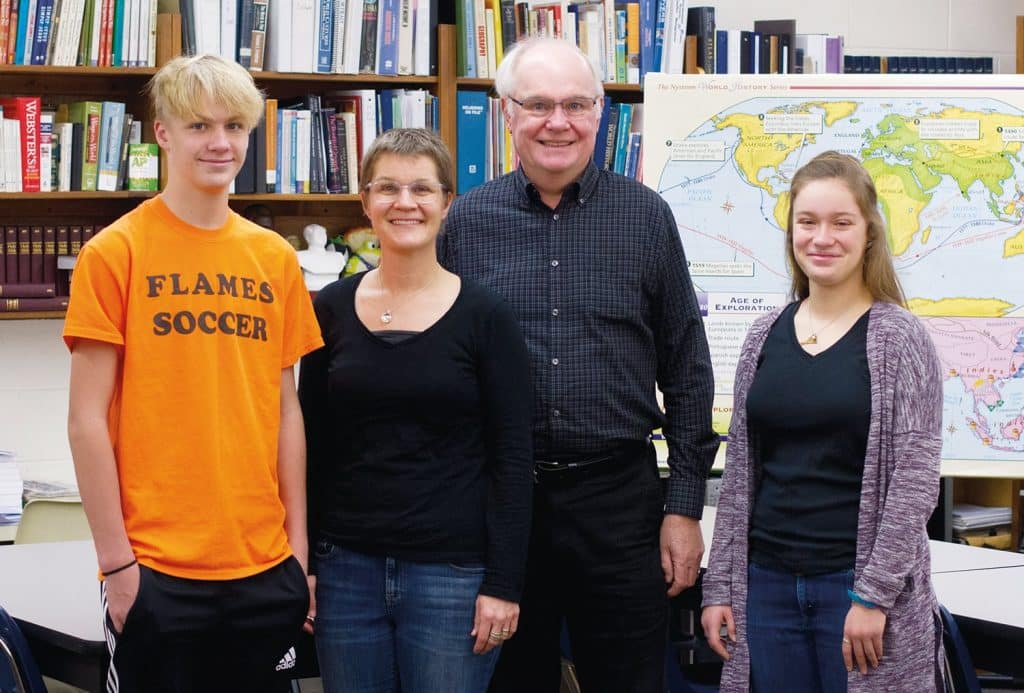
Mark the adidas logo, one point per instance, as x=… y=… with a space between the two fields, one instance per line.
x=288 y=661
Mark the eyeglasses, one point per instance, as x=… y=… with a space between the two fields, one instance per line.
x=420 y=190
x=576 y=107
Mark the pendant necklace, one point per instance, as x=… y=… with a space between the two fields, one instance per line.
x=386 y=317
x=813 y=337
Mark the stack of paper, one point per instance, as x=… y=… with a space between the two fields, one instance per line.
x=967 y=516
x=35 y=489
x=11 y=489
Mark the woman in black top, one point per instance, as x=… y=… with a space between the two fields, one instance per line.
x=420 y=464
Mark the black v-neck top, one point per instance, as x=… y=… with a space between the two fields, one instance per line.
x=808 y=417
x=421 y=449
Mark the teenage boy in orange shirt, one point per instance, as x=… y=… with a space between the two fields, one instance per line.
x=185 y=429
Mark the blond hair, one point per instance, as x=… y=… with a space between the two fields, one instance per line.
x=189 y=82
x=506 y=80
x=410 y=142
x=879 y=274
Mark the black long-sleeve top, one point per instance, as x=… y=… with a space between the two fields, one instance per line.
x=421 y=449
x=601 y=288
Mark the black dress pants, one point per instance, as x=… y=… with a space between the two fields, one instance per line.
x=595 y=561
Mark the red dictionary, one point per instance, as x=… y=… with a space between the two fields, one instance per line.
x=25 y=109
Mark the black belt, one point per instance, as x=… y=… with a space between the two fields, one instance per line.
x=619 y=453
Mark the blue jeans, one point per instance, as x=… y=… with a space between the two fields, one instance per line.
x=384 y=624
x=795 y=630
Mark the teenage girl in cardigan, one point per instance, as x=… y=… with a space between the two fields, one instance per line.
x=819 y=570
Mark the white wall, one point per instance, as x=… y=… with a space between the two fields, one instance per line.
x=892 y=27
x=34 y=368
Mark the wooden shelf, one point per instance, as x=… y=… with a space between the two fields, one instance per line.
x=33 y=315
x=314 y=198
x=77 y=195
x=610 y=88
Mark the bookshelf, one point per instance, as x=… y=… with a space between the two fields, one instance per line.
x=291 y=212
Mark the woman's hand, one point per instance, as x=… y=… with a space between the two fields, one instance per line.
x=496 y=621
x=713 y=618
x=862 y=637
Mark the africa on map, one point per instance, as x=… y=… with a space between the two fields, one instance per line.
x=945 y=152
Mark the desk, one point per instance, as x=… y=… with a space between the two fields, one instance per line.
x=53 y=593
x=983 y=588
x=51 y=589
x=989 y=608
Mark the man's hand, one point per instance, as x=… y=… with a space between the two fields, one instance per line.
x=122 y=589
x=681 y=548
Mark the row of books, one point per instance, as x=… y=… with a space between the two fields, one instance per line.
x=315 y=144
x=772 y=46
x=84 y=145
x=31 y=277
x=387 y=37
x=485 y=149
x=78 y=32
x=931 y=64
x=619 y=37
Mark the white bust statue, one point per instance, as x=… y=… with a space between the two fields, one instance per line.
x=320 y=265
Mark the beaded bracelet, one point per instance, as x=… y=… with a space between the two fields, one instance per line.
x=126 y=566
x=857 y=599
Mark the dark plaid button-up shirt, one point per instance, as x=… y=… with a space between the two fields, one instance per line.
x=601 y=288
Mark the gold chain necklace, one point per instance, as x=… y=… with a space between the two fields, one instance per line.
x=387 y=316
x=813 y=337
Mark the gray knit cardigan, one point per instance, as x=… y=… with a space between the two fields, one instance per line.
x=898 y=493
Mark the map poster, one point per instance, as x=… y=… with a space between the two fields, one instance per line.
x=945 y=152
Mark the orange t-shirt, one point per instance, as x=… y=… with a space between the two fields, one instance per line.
x=205 y=321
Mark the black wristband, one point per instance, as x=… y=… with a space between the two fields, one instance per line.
x=126 y=566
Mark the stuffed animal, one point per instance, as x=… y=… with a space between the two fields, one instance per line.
x=363 y=249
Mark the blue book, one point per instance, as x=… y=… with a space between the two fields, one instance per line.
x=600 y=142
x=647 y=10
x=611 y=137
x=622 y=137
x=111 y=130
x=659 y=35
x=324 y=36
x=25 y=24
x=633 y=156
x=385 y=109
x=41 y=38
x=721 y=51
x=387 y=31
x=471 y=133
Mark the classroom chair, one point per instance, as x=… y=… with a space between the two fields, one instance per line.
x=18 y=670
x=960 y=674
x=52 y=519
